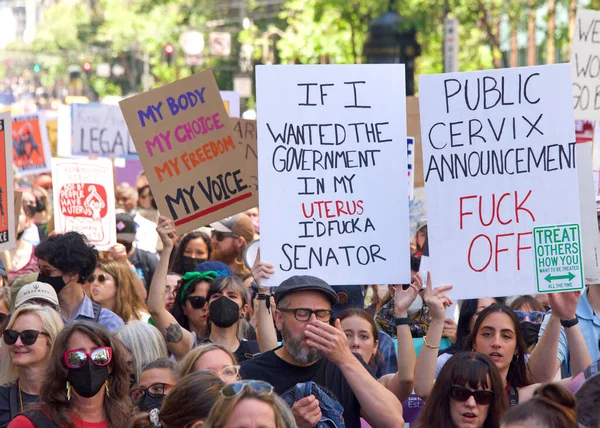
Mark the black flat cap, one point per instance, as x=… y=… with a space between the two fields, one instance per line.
x=305 y=283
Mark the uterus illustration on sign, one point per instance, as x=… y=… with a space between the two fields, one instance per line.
x=84 y=206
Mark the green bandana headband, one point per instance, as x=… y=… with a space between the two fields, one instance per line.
x=192 y=277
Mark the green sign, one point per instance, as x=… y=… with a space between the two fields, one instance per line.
x=558 y=261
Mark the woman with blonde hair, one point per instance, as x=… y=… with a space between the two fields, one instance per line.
x=251 y=402
x=213 y=357
x=24 y=352
x=113 y=286
x=5 y=307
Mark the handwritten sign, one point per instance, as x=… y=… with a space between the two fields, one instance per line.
x=187 y=146
x=8 y=238
x=333 y=168
x=84 y=199
x=499 y=159
x=245 y=133
x=100 y=130
x=413 y=126
x=31 y=149
x=585 y=57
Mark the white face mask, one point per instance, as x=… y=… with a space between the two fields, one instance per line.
x=416 y=305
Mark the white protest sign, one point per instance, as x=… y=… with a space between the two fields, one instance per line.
x=499 y=159
x=64 y=138
x=100 y=130
x=333 y=163
x=585 y=57
x=8 y=232
x=231 y=99
x=84 y=199
x=410 y=144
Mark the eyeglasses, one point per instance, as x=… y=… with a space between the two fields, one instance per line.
x=462 y=394
x=101 y=278
x=535 y=317
x=304 y=314
x=228 y=372
x=197 y=302
x=28 y=337
x=219 y=236
x=236 y=388
x=156 y=390
x=75 y=359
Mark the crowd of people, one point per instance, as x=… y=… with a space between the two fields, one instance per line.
x=171 y=331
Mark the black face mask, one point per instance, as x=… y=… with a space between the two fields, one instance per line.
x=88 y=379
x=148 y=403
x=128 y=246
x=190 y=263
x=224 y=312
x=20 y=234
x=530 y=332
x=57 y=282
x=40 y=205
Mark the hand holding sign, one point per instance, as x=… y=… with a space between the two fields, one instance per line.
x=404 y=298
x=564 y=305
x=166 y=232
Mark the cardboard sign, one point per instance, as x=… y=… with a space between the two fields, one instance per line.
x=585 y=58
x=52 y=127
x=413 y=126
x=100 y=130
x=8 y=238
x=231 y=100
x=558 y=258
x=31 y=150
x=245 y=133
x=187 y=146
x=84 y=199
x=333 y=168
x=499 y=159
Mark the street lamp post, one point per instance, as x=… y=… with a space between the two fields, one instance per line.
x=391 y=40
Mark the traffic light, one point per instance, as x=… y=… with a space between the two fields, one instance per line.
x=87 y=67
x=36 y=68
x=169 y=51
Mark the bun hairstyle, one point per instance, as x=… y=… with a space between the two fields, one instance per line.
x=551 y=406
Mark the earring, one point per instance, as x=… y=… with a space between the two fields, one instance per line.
x=68 y=391
x=515 y=358
x=106 y=387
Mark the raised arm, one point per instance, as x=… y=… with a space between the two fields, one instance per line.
x=541 y=365
x=266 y=335
x=401 y=383
x=437 y=302
x=179 y=340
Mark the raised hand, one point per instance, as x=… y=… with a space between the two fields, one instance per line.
x=404 y=298
x=564 y=304
x=261 y=270
x=166 y=232
x=436 y=300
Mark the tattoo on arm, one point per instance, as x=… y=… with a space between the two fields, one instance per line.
x=174 y=333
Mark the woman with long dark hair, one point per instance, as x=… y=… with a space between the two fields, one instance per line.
x=193 y=248
x=86 y=381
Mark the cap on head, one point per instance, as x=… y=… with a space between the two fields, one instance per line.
x=305 y=283
x=212 y=265
x=125 y=228
x=240 y=224
x=36 y=290
x=421 y=224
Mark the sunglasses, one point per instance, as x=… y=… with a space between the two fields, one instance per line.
x=75 y=359
x=28 y=337
x=219 y=236
x=535 y=317
x=197 y=302
x=462 y=394
x=156 y=390
x=101 y=278
x=236 y=388
x=3 y=318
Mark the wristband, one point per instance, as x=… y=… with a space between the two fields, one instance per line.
x=569 y=323
x=266 y=298
x=402 y=321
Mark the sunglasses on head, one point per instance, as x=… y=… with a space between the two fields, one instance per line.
x=535 y=317
x=236 y=388
x=219 y=236
x=101 y=278
x=197 y=302
x=28 y=337
x=75 y=359
x=462 y=394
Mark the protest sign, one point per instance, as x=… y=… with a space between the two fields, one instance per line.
x=558 y=261
x=31 y=150
x=413 y=126
x=245 y=133
x=187 y=146
x=333 y=168
x=100 y=130
x=231 y=100
x=65 y=134
x=52 y=127
x=410 y=153
x=585 y=58
x=8 y=238
x=84 y=199
x=499 y=159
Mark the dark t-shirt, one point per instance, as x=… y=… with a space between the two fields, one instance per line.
x=5 y=405
x=246 y=350
x=145 y=264
x=270 y=368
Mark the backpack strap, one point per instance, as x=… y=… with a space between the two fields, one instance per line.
x=13 y=400
x=97 y=309
x=513 y=396
x=39 y=419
